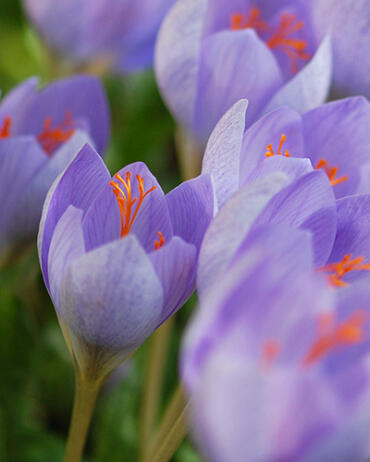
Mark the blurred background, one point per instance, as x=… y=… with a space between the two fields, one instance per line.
x=37 y=379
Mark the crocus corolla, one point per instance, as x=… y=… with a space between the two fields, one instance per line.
x=118 y=256
x=119 y=34
x=40 y=132
x=210 y=54
x=275 y=363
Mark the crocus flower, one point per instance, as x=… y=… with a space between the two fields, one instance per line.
x=276 y=364
x=349 y=26
x=210 y=54
x=40 y=132
x=118 y=256
x=120 y=33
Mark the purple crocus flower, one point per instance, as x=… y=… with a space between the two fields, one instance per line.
x=118 y=256
x=40 y=132
x=349 y=26
x=276 y=364
x=210 y=54
x=121 y=33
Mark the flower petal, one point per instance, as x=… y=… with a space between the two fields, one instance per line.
x=177 y=57
x=309 y=88
x=233 y=65
x=191 y=207
x=175 y=265
x=78 y=185
x=222 y=156
x=16 y=102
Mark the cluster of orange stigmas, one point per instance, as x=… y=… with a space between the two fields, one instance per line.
x=5 y=128
x=339 y=269
x=280 y=37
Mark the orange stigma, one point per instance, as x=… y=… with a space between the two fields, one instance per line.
x=332 y=336
x=340 y=269
x=159 y=243
x=270 y=351
x=126 y=201
x=51 y=137
x=5 y=128
x=270 y=151
x=239 y=21
x=331 y=172
x=294 y=48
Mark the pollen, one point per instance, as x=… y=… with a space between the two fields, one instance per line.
x=338 y=270
x=270 y=152
x=331 y=172
x=52 y=137
x=159 y=243
x=332 y=335
x=128 y=206
x=5 y=128
x=239 y=21
x=281 y=39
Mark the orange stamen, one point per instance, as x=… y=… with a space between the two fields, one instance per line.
x=158 y=244
x=239 y=21
x=331 y=172
x=51 y=137
x=294 y=48
x=270 y=351
x=270 y=151
x=331 y=336
x=126 y=201
x=340 y=269
x=5 y=129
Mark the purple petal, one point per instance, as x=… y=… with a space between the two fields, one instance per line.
x=177 y=57
x=222 y=156
x=309 y=88
x=348 y=24
x=293 y=168
x=78 y=185
x=20 y=160
x=230 y=226
x=268 y=130
x=82 y=96
x=308 y=203
x=353 y=232
x=66 y=244
x=111 y=297
x=339 y=133
x=175 y=265
x=233 y=65
x=191 y=207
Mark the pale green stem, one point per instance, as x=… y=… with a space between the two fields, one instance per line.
x=173 y=439
x=173 y=410
x=156 y=362
x=86 y=393
x=189 y=153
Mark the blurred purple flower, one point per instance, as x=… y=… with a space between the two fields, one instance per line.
x=348 y=24
x=40 y=132
x=210 y=54
x=276 y=364
x=121 y=33
x=118 y=256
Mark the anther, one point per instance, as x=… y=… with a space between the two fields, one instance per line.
x=159 y=243
x=239 y=21
x=331 y=172
x=339 y=269
x=51 y=137
x=270 y=152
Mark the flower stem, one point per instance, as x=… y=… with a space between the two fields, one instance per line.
x=84 y=402
x=156 y=362
x=189 y=153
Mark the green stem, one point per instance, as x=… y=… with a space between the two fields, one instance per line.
x=156 y=362
x=84 y=402
x=189 y=153
x=173 y=438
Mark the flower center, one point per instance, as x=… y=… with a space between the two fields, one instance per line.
x=5 y=128
x=270 y=152
x=339 y=269
x=330 y=336
x=126 y=202
x=52 y=137
x=159 y=243
x=331 y=172
x=280 y=37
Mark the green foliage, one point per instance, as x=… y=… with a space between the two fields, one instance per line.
x=37 y=381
